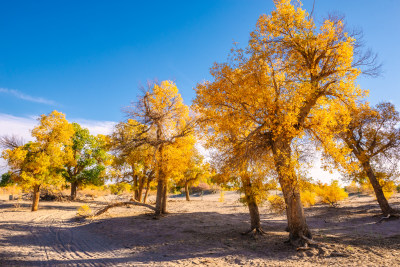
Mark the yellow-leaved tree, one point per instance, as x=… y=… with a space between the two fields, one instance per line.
x=374 y=139
x=270 y=94
x=163 y=119
x=41 y=162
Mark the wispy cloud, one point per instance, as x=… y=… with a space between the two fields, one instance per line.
x=26 y=97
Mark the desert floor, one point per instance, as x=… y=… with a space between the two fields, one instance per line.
x=201 y=232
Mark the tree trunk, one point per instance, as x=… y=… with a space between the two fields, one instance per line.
x=298 y=229
x=135 y=186
x=164 y=198
x=383 y=203
x=35 y=197
x=254 y=215
x=159 y=197
x=140 y=189
x=147 y=191
x=74 y=187
x=187 y=191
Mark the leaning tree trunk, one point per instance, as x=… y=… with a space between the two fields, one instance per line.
x=299 y=233
x=35 y=197
x=74 y=187
x=187 y=191
x=383 y=203
x=255 y=222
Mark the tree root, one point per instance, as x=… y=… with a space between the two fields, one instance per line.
x=255 y=231
x=389 y=217
x=121 y=204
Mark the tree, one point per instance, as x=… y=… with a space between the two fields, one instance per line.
x=134 y=165
x=374 y=139
x=163 y=119
x=89 y=159
x=270 y=94
x=195 y=170
x=41 y=162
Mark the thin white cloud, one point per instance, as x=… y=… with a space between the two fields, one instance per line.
x=26 y=97
x=96 y=127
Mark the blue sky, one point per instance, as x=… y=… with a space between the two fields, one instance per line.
x=88 y=58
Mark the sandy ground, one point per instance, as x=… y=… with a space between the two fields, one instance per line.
x=202 y=232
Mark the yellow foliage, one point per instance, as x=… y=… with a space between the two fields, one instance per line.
x=388 y=188
x=221 y=196
x=84 y=211
x=277 y=204
x=39 y=162
x=332 y=193
x=308 y=198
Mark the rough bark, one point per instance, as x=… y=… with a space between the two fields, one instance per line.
x=74 y=187
x=159 y=197
x=164 y=198
x=187 y=191
x=298 y=229
x=146 y=193
x=383 y=203
x=140 y=189
x=35 y=197
x=135 y=186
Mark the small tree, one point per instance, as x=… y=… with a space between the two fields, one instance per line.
x=373 y=138
x=41 y=162
x=162 y=119
x=89 y=159
x=331 y=194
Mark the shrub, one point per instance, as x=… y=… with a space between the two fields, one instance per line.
x=308 y=198
x=84 y=211
x=221 y=196
x=120 y=188
x=277 y=204
x=332 y=193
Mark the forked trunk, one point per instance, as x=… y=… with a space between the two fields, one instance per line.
x=74 y=187
x=35 y=197
x=383 y=203
x=187 y=191
x=297 y=225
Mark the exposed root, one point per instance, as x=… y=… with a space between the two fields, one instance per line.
x=121 y=204
x=389 y=217
x=255 y=231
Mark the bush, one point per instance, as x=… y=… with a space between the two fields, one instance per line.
x=332 y=193
x=221 y=196
x=84 y=211
x=277 y=204
x=120 y=188
x=308 y=198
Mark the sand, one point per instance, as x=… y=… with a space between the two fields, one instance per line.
x=202 y=232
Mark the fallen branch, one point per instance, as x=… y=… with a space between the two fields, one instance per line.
x=121 y=204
